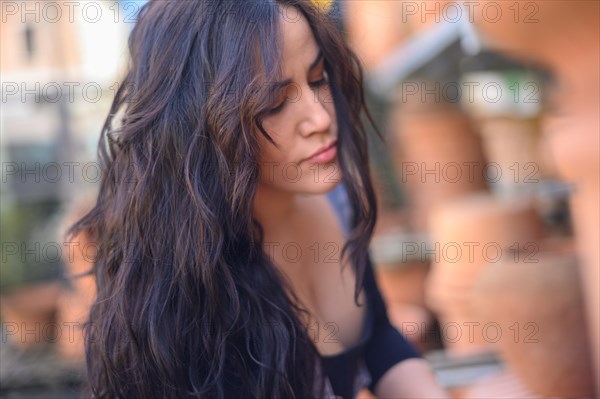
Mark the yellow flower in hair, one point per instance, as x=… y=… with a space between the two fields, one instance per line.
x=324 y=5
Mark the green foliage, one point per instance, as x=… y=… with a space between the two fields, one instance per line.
x=30 y=245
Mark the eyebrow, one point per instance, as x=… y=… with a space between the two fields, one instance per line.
x=312 y=66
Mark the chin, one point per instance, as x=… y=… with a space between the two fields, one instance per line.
x=321 y=178
x=321 y=187
x=309 y=179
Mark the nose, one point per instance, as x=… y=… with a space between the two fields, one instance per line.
x=317 y=117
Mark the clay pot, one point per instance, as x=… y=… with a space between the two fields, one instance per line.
x=541 y=31
x=575 y=144
x=437 y=156
x=29 y=314
x=403 y=282
x=535 y=303
x=512 y=149
x=574 y=139
x=373 y=29
x=467 y=234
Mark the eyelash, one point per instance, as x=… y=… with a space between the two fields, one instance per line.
x=316 y=84
x=319 y=83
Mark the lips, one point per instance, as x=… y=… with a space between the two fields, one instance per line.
x=324 y=154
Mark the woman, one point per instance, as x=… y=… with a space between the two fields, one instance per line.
x=218 y=270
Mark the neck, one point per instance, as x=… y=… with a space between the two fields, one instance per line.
x=273 y=208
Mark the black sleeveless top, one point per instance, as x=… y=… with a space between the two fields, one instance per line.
x=381 y=346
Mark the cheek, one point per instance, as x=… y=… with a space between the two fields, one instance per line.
x=281 y=131
x=273 y=160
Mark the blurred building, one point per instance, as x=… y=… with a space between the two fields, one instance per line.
x=60 y=65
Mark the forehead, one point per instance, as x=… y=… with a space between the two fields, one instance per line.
x=299 y=45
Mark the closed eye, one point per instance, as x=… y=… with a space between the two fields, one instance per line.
x=319 y=83
x=277 y=108
x=316 y=84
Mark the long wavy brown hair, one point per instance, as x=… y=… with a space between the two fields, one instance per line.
x=188 y=303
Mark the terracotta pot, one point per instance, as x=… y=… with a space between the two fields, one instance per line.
x=535 y=30
x=575 y=144
x=468 y=234
x=403 y=282
x=373 y=29
x=536 y=305
x=437 y=156
x=29 y=314
x=512 y=150
x=574 y=140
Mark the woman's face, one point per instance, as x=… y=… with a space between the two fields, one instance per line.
x=302 y=122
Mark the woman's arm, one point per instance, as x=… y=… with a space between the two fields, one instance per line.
x=397 y=369
x=411 y=378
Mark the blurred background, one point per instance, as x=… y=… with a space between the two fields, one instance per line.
x=487 y=244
